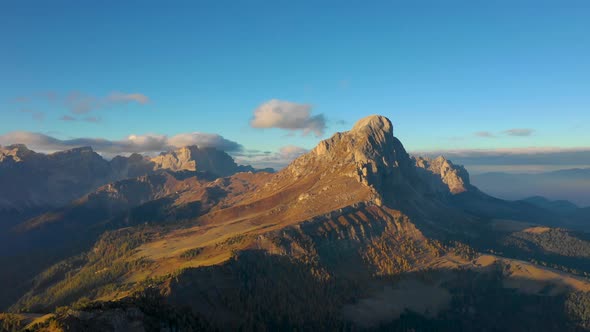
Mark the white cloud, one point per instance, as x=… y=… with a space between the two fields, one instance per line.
x=484 y=134
x=204 y=140
x=288 y=115
x=120 y=97
x=292 y=151
x=150 y=143
x=519 y=132
x=80 y=103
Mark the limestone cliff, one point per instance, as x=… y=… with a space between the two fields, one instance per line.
x=193 y=158
x=455 y=177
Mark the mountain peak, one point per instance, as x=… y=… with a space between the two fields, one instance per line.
x=368 y=153
x=17 y=147
x=373 y=124
x=371 y=154
x=193 y=158
x=370 y=139
x=455 y=177
x=15 y=152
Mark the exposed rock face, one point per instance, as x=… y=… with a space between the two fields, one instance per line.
x=193 y=158
x=371 y=153
x=36 y=180
x=368 y=152
x=15 y=153
x=32 y=179
x=133 y=166
x=455 y=177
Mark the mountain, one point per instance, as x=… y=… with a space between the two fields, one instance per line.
x=353 y=235
x=558 y=206
x=54 y=205
x=570 y=184
x=33 y=179
x=35 y=182
x=193 y=158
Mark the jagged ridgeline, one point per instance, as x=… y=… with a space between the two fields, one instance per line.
x=354 y=235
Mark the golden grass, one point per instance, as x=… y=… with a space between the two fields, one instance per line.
x=533 y=279
x=507 y=225
x=537 y=230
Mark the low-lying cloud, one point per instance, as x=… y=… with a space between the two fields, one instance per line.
x=149 y=144
x=289 y=116
x=532 y=159
x=276 y=160
x=518 y=132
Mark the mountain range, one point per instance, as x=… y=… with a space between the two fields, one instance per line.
x=34 y=182
x=356 y=234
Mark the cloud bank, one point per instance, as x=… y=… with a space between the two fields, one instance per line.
x=149 y=144
x=534 y=159
x=289 y=116
x=519 y=132
x=276 y=160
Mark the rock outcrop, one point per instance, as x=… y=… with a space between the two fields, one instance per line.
x=454 y=177
x=193 y=158
x=32 y=180
x=369 y=153
x=15 y=153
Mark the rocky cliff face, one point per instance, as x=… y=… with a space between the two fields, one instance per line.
x=41 y=181
x=133 y=166
x=371 y=154
x=15 y=153
x=31 y=180
x=454 y=177
x=193 y=158
x=368 y=153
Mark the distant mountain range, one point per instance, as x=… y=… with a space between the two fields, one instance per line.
x=570 y=184
x=36 y=182
x=354 y=235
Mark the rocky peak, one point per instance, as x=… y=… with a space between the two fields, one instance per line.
x=370 y=142
x=371 y=154
x=179 y=160
x=193 y=158
x=129 y=167
x=83 y=154
x=368 y=152
x=15 y=152
x=455 y=177
x=176 y=160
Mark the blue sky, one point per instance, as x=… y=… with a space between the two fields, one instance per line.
x=451 y=76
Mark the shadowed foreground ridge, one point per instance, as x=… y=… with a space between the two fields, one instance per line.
x=353 y=235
